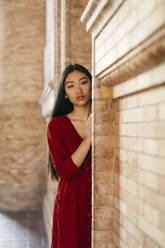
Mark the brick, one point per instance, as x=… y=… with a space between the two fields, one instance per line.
x=152 y=164
x=116 y=129
x=122 y=155
x=132 y=215
x=162 y=221
x=125 y=88
x=103 y=177
x=103 y=245
x=122 y=220
x=123 y=234
x=104 y=141
x=158 y=74
x=124 y=44
x=161 y=185
x=128 y=185
x=151 y=214
x=151 y=130
x=131 y=241
x=152 y=198
x=162 y=148
x=162 y=111
x=134 y=231
x=128 y=129
x=132 y=187
x=149 y=179
x=103 y=224
x=130 y=171
x=98 y=94
x=103 y=212
x=105 y=153
x=117 y=191
x=116 y=105
x=153 y=232
x=144 y=80
x=131 y=115
x=116 y=227
x=116 y=214
x=148 y=8
x=104 y=117
x=122 y=206
x=116 y=239
x=103 y=236
x=103 y=165
x=97 y=81
x=128 y=102
x=129 y=143
x=151 y=146
x=152 y=96
x=150 y=113
x=103 y=189
x=117 y=165
x=116 y=178
x=132 y=201
x=106 y=92
x=103 y=129
x=116 y=142
x=100 y=105
x=103 y=200
x=116 y=119
x=148 y=242
x=103 y=92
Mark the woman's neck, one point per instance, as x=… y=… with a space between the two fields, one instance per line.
x=81 y=112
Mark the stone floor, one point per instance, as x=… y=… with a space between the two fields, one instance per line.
x=22 y=230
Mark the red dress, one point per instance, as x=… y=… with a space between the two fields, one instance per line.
x=72 y=208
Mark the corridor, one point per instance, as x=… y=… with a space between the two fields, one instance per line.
x=23 y=229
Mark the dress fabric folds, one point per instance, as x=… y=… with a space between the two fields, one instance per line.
x=72 y=207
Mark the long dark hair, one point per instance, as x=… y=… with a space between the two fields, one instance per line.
x=63 y=105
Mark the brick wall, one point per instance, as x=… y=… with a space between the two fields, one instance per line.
x=128 y=172
x=139 y=169
x=103 y=167
x=128 y=39
x=77 y=45
x=22 y=130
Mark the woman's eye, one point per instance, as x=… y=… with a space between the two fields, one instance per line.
x=70 y=86
x=84 y=82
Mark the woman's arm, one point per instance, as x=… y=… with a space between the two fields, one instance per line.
x=79 y=155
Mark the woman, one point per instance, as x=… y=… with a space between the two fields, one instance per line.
x=69 y=140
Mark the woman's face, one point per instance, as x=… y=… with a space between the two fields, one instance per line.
x=78 y=88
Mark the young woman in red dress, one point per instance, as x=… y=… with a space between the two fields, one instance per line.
x=69 y=140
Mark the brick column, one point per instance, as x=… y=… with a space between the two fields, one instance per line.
x=103 y=164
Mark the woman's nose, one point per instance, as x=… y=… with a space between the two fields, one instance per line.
x=78 y=88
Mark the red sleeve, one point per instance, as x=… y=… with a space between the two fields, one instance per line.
x=61 y=158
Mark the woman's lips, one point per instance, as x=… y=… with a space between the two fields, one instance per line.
x=80 y=98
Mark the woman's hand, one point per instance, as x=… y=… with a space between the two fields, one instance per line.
x=81 y=152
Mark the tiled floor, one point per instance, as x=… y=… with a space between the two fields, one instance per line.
x=22 y=230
